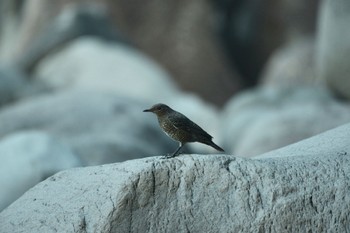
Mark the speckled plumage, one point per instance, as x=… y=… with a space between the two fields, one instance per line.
x=180 y=128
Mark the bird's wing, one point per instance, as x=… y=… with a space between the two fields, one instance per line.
x=185 y=124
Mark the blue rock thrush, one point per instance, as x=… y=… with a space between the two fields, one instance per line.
x=180 y=128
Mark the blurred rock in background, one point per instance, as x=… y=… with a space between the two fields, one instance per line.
x=252 y=30
x=268 y=118
x=27 y=158
x=292 y=65
x=299 y=86
x=178 y=35
x=89 y=63
x=100 y=127
x=333 y=47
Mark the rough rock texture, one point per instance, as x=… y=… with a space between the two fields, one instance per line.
x=28 y=158
x=308 y=192
x=94 y=64
x=268 y=118
x=100 y=127
x=333 y=49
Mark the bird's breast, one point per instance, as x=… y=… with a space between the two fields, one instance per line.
x=173 y=132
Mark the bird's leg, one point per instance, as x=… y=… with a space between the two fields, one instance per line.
x=175 y=153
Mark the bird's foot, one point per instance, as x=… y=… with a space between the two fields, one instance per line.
x=169 y=156
x=165 y=157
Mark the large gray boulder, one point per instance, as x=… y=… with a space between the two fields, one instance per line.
x=265 y=119
x=99 y=127
x=90 y=63
x=294 y=189
x=28 y=158
x=292 y=65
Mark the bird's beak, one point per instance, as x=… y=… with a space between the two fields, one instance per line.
x=147 y=110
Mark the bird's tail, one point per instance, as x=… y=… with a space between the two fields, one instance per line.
x=212 y=144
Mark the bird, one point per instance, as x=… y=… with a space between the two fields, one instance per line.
x=181 y=129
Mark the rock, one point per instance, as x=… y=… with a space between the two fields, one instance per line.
x=100 y=127
x=292 y=65
x=89 y=63
x=333 y=47
x=28 y=158
x=269 y=118
x=252 y=30
x=8 y=29
x=305 y=192
x=320 y=145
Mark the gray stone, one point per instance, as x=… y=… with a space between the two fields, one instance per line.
x=269 y=118
x=292 y=65
x=28 y=158
x=334 y=141
x=100 y=127
x=308 y=192
x=90 y=63
x=333 y=47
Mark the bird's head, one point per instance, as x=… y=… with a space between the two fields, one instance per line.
x=159 y=109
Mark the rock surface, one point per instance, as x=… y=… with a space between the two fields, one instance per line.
x=269 y=118
x=308 y=192
x=28 y=158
